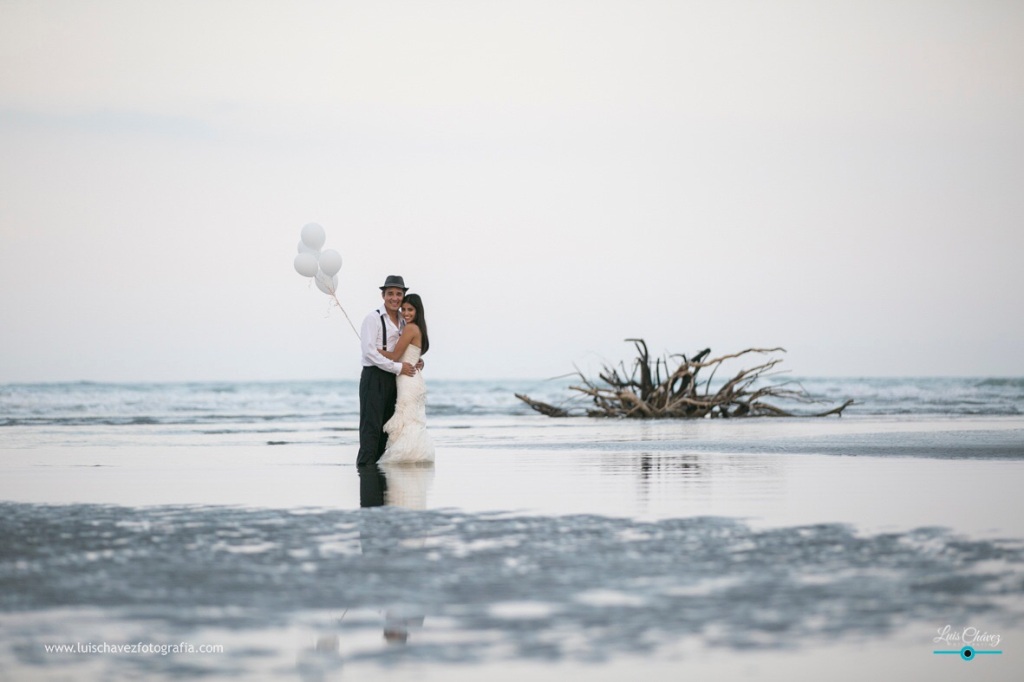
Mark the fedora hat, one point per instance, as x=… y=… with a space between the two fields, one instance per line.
x=394 y=281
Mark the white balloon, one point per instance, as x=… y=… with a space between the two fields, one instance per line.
x=330 y=262
x=306 y=265
x=302 y=248
x=313 y=236
x=326 y=284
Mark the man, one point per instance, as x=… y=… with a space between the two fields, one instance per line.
x=377 y=390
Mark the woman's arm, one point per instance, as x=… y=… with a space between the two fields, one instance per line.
x=411 y=334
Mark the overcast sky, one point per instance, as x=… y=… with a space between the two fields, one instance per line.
x=843 y=179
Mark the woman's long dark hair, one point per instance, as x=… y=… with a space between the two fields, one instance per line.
x=416 y=302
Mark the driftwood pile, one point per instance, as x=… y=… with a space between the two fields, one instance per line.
x=661 y=391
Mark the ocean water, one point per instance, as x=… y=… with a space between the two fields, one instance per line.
x=319 y=411
x=575 y=547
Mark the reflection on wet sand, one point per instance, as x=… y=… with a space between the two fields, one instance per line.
x=394 y=485
x=408 y=485
x=322 y=661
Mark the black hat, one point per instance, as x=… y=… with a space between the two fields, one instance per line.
x=394 y=281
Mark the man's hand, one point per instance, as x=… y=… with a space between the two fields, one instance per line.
x=419 y=364
x=408 y=370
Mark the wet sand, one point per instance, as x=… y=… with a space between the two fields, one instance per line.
x=828 y=529
x=873 y=494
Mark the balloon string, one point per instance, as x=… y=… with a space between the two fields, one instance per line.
x=335 y=297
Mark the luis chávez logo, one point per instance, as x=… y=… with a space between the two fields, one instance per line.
x=972 y=642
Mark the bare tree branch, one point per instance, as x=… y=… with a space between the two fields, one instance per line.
x=617 y=393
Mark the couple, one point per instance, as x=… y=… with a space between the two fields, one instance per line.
x=392 y=393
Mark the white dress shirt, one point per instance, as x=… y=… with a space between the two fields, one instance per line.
x=371 y=341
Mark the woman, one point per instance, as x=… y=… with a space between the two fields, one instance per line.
x=408 y=440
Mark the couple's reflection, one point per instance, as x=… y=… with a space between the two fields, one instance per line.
x=381 y=539
x=373 y=486
x=394 y=485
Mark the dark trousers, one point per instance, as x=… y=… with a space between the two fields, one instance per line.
x=377 y=395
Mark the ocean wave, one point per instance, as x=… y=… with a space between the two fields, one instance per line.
x=208 y=404
x=146 y=420
x=1003 y=381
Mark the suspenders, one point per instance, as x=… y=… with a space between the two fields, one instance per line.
x=384 y=332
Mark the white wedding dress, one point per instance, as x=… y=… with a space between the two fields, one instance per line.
x=408 y=440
